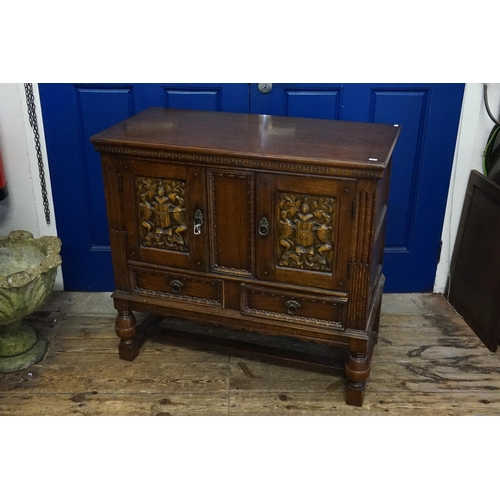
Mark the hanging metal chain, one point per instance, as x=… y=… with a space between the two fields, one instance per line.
x=30 y=101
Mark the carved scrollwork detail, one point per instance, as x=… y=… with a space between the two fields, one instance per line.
x=305 y=231
x=242 y=162
x=162 y=213
x=186 y=298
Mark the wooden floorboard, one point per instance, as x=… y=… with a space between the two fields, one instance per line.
x=427 y=362
x=134 y=404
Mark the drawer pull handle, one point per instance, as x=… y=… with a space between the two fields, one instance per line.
x=198 y=221
x=292 y=306
x=176 y=286
x=263 y=227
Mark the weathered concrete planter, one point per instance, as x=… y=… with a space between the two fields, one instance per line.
x=28 y=269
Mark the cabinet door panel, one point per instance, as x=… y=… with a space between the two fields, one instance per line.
x=160 y=205
x=310 y=230
x=231 y=221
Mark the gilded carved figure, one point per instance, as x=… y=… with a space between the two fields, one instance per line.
x=305 y=232
x=162 y=213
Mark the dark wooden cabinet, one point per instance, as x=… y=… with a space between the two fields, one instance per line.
x=270 y=224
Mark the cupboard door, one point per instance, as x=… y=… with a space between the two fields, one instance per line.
x=304 y=230
x=165 y=214
x=231 y=221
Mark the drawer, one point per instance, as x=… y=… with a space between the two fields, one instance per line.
x=177 y=286
x=313 y=309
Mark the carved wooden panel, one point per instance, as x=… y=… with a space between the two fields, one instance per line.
x=305 y=231
x=162 y=213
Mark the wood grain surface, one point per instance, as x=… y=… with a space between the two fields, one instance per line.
x=429 y=362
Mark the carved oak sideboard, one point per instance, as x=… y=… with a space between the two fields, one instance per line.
x=269 y=224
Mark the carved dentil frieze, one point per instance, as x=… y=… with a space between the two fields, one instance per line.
x=199 y=159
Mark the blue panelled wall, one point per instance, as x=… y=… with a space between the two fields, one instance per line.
x=428 y=113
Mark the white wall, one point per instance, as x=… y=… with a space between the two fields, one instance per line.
x=474 y=129
x=23 y=207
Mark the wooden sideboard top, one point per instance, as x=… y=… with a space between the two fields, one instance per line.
x=254 y=137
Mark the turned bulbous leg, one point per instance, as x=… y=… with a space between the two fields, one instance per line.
x=126 y=329
x=357 y=371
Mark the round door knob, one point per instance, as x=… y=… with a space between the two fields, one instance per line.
x=265 y=88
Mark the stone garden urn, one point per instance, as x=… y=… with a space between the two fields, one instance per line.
x=28 y=270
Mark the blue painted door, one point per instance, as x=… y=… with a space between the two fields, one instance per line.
x=428 y=113
x=429 y=116
x=72 y=113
